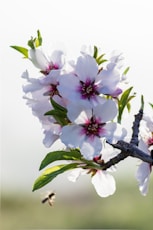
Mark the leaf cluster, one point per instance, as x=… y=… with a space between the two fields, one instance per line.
x=99 y=58
x=58 y=112
x=32 y=43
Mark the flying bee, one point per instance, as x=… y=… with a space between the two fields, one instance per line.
x=50 y=198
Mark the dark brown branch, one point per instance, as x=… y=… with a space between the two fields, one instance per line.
x=135 y=128
x=127 y=149
x=130 y=149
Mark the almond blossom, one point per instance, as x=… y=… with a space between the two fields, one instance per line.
x=145 y=144
x=89 y=126
x=102 y=180
x=39 y=90
x=46 y=63
x=88 y=82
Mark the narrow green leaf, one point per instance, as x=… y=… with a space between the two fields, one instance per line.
x=59 y=116
x=56 y=113
x=101 y=61
x=31 y=43
x=126 y=70
x=57 y=106
x=128 y=107
x=151 y=105
x=95 y=52
x=22 y=50
x=73 y=154
x=142 y=102
x=49 y=174
x=38 y=40
x=123 y=102
x=100 y=57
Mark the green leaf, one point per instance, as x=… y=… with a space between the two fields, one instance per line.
x=38 y=40
x=57 y=106
x=151 y=105
x=22 y=50
x=31 y=43
x=124 y=102
x=59 y=116
x=55 y=113
x=95 y=52
x=59 y=113
x=126 y=70
x=73 y=154
x=49 y=174
x=35 y=42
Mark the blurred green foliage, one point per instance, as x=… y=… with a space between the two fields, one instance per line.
x=127 y=209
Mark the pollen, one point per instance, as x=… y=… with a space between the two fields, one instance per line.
x=88 y=89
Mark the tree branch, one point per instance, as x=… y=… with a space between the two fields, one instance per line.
x=130 y=149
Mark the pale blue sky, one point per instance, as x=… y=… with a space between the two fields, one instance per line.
x=125 y=25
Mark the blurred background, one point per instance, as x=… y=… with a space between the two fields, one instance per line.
x=109 y=24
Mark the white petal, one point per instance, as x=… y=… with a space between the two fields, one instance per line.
x=86 y=68
x=91 y=147
x=51 y=135
x=79 y=112
x=57 y=58
x=75 y=174
x=39 y=59
x=68 y=85
x=104 y=183
x=142 y=176
x=114 y=132
x=71 y=136
x=107 y=111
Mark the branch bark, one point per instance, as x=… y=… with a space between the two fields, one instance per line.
x=129 y=149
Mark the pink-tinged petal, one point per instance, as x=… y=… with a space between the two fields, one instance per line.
x=71 y=136
x=68 y=85
x=57 y=58
x=104 y=183
x=142 y=176
x=114 y=132
x=86 y=68
x=75 y=174
x=107 y=111
x=91 y=148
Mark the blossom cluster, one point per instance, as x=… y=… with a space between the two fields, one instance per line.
x=80 y=103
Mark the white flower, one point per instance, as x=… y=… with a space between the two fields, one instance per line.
x=89 y=125
x=45 y=63
x=86 y=82
x=102 y=181
x=145 y=144
x=35 y=92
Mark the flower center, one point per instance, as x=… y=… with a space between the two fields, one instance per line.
x=50 y=68
x=52 y=90
x=93 y=127
x=150 y=140
x=88 y=89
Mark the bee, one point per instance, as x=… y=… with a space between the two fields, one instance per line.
x=50 y=198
